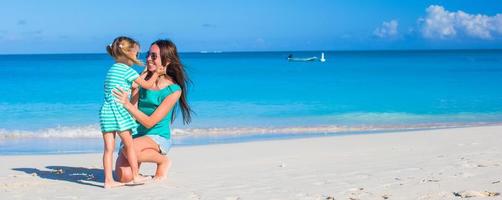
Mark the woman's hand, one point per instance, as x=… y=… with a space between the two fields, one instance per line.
x=122 y=97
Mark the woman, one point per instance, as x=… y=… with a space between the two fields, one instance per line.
x=153 y=109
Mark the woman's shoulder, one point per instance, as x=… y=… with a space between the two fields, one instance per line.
x=174 y=87
x=167 y=91
x=164 y=91
x=170 y=89
x=169 y=84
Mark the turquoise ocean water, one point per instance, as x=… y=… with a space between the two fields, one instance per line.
x=50 y=103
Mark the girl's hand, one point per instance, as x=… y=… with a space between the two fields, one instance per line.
x=161 y=70
x=122 y=97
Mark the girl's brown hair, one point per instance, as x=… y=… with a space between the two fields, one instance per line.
x=120 y=46
x=175 y=70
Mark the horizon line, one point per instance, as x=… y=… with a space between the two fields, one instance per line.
x=276 y=51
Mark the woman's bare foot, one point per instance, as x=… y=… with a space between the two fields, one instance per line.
x=112 y=184
x=162 y=169
x=159 y=178
x=140 y=179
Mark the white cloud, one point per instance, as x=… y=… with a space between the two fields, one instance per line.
x=497 y=22
x=441 y=23
x=387 y=29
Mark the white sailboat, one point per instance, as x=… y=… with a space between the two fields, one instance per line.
x=307 y=59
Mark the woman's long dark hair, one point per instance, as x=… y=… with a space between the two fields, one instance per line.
x=176 y=70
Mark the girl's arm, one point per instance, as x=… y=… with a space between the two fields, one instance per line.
x=159 y=113
x=135 y=96
x=147 y=84
x=135 y=90
x=150 y=84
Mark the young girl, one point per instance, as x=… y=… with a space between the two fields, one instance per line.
x=114 y=119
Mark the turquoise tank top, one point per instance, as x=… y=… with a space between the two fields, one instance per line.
x=148 y=102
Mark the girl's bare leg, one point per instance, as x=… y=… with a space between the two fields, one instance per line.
x=109 y=146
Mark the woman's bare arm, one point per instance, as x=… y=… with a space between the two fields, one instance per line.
x=159 y=113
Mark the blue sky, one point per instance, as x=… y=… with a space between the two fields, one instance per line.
x=57 y=26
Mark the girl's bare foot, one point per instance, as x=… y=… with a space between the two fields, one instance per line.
x=112 y=184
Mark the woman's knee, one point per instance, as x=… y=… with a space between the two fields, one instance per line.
x=124 y=174
x=123 y=171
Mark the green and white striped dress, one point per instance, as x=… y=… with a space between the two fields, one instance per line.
x=113 y=116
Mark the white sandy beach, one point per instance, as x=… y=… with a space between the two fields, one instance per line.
x=433 y=164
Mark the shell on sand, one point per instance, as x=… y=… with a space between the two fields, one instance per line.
x=468 y=194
